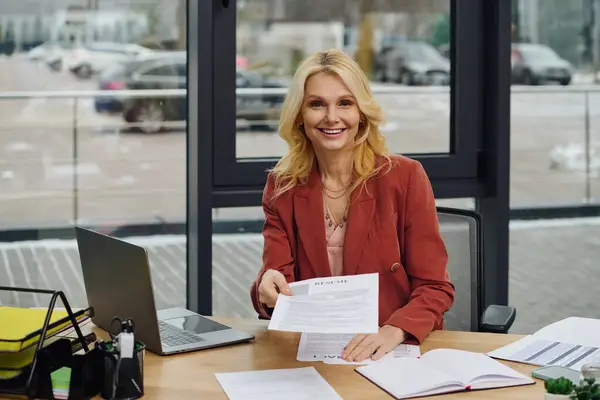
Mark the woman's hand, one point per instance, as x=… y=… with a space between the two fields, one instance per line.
x=375 y=346
x=272 y=283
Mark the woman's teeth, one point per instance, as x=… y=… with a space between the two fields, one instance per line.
x=331 y=131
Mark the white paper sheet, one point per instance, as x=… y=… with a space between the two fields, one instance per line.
x=328 y=347
x=582 y=331
x=570 y=343
x=276 y=384
x=344 y=304
x=407 y=350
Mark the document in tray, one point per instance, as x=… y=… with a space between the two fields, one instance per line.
x=441 y=371
x=571 y=343
x=343 y=304
x=276 y=384
x=21 y=327
x=328 y=347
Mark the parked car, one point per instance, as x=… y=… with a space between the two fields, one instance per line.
x=168 y=70
x=261 y=110
x=535 y=64
x=48 y=50
x=87 y=59
x=51 y=53
x=160 y=70
x=115 y=78
x=412 y=63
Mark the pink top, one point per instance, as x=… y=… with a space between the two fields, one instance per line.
x=334 y=238
x=335 y=244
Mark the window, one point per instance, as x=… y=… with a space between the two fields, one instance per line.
x=70 y=154
x=554 y=140
x=471 y=165
x=554 y=158
x=415 y=54
x=237 y=245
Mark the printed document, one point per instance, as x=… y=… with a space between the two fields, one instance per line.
x=276 y=384
x=583 y=331
x=328 y=347
x=342 y=304
x=570 y=343
x=530 y=350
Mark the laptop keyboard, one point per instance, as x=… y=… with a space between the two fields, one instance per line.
x=173 y=336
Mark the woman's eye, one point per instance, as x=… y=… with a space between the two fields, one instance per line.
x=316 y=104
x=345 y=103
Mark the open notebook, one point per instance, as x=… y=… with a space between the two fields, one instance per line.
x=441 y=371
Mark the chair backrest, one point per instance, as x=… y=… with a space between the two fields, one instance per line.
x=461 y=232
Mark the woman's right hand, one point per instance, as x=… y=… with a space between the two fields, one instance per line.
x=272 y=283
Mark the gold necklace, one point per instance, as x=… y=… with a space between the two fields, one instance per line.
x=334 y=197
x=335 y=191
x=329 y=219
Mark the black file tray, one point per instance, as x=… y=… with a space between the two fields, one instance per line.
x=87 y=369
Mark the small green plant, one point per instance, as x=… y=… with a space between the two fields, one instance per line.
x=560 y=385
x=587 y=390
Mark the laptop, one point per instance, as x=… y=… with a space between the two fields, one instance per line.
x=118 y=283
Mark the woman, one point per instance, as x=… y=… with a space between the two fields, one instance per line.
x=339 y=204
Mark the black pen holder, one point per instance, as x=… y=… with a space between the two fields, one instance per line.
x=123 y=379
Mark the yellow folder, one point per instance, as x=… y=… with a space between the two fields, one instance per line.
x=22 y=327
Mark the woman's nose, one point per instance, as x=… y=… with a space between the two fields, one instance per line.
x=332 y=114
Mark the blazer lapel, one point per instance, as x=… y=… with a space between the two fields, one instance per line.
x=310 y=219
x=360 y=217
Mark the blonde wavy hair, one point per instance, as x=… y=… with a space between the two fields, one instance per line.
x=294 y=168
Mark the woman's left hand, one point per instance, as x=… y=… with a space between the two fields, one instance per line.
x=375 y=345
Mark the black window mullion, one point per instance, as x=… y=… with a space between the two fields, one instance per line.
x=224 y=94
x=199 y=158
x=462 y=161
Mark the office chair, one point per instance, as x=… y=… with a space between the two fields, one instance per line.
x=462 y=234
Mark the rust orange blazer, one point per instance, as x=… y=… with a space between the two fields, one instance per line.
x=392 y=229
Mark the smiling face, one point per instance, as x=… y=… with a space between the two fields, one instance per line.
x=329 y=113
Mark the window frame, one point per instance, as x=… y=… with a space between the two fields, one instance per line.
x=461 y=162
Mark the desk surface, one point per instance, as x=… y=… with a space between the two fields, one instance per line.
x=191 y=375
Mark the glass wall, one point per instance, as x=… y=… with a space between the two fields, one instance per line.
x=555 y=61
x=92 y=132
x=237 y=256
x=403 y=46
x=555 y=106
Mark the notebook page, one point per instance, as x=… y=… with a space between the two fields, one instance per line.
x=469 y=367
x=406 y=377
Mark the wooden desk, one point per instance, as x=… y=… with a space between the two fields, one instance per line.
x=191 y=375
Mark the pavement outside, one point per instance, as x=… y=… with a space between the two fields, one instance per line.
x=553 y=271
